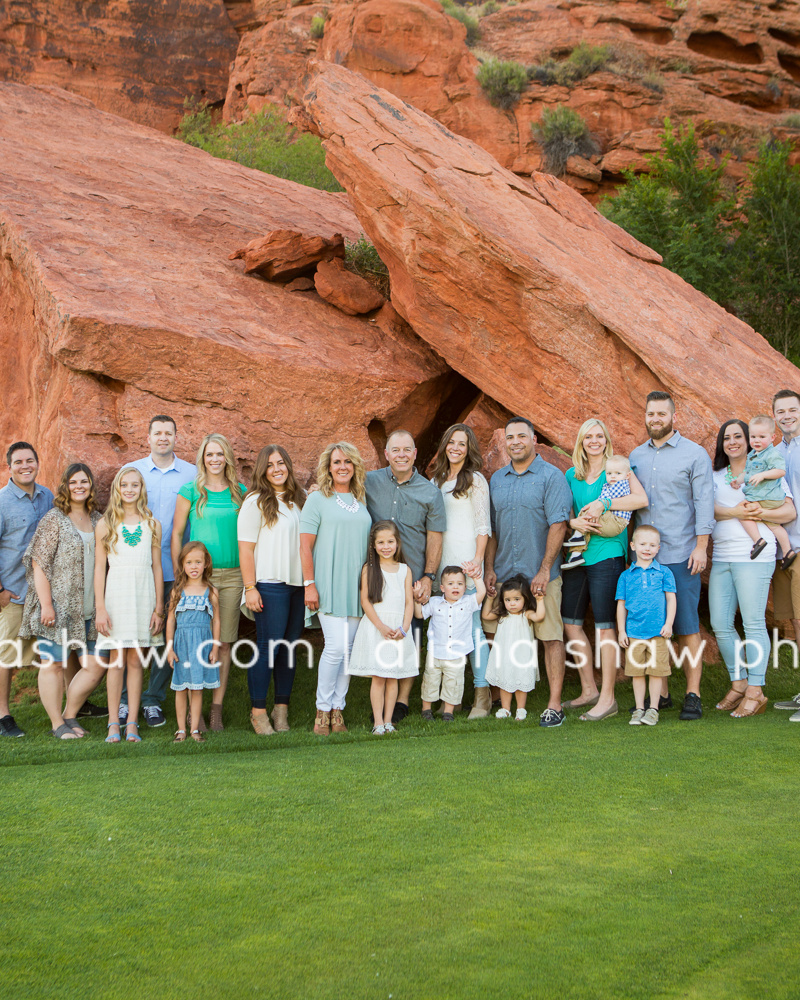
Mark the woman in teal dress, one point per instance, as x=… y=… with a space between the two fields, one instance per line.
x=595 y=582
x=211 y=505
x=334 y=533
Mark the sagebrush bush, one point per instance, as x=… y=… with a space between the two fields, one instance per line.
x=317 y=29
x=490 y=7
x=468 y=20
x=503 y=82
x=562 y=132
x=264 y=141
x=362 y=258
x=653 y=81
x=791 y=121
x=581 y=62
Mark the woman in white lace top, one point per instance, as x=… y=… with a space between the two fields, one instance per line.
x=466 y=500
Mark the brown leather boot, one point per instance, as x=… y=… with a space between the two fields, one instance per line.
x=337 y=721
x=215 y=719
x=322 y=723
x=280 y=718
x=482 y=706
x=261 y=724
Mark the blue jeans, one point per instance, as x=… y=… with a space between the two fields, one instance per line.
x=281 y=618
x=479 y=657
x=744 y=585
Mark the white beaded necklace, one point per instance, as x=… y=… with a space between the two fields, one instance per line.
x=352 y=508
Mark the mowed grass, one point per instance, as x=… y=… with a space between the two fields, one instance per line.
x=483 y=859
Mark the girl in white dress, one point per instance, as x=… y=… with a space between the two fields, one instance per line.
x=512 y=660
x=130 y=600
x=383 y=648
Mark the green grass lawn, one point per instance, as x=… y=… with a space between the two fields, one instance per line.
x=484 y=859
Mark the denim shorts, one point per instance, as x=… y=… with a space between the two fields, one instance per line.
x=595 y=585
x=687 y=587
x=48 y=648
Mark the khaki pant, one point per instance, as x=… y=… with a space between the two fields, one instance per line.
x=551 y=628
x=14 y=652
x=786 y=592
x=443 y=679
x=647 y=658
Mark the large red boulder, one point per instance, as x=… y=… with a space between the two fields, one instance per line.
x=524 y=288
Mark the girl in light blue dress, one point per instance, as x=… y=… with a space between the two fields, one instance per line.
x=193 y=629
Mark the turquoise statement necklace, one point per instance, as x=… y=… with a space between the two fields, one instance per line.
x=132 y=537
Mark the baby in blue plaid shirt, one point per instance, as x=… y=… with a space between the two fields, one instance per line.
x=612 y=522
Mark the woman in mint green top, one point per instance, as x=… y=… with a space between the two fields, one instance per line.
x=211 y=505
x=595 y=582
x=334 y=534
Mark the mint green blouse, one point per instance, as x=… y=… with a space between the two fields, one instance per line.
x=215 y=525
x=598 y=548
x=340 y=551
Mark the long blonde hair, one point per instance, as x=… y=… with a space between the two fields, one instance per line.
x=115 y=511
x=579 y=459
x=231 y=477
x=325 y=479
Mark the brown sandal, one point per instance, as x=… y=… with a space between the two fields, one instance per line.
x=759 y=707
x=180 y=736
x=730 y=701
x=197 y=736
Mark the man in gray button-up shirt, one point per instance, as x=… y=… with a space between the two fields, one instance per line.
x=677 y=478
x=786 y=582
x=402 y=495
x=23 y=503
x=531 y=503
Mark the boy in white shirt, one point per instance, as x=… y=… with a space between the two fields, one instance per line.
x=450 y=639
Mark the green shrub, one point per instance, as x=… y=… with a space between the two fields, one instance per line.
x=264 y=141
x=562 y=133
x=502 y=82
x=581 y=62
x=318 y=26
x=791 y=121
x=467 y=19
x=490 y=7
x=362 y=258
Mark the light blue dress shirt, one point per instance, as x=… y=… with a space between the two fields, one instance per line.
x=20 y=515
x=791 y=453
x=677 y=478
x=162 y=495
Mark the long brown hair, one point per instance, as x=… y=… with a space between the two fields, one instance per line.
x=472 y=461
x=62 y=498
x=293 y=494
x=373 y=563
x=181 y=579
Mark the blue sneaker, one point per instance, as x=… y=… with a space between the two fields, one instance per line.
x=550 y=718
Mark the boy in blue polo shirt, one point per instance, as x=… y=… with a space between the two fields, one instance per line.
x=646 y=605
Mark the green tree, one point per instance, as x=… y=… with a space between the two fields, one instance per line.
x=768 y=250
x=680 y=209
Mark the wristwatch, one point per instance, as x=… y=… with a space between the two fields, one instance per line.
x=431 y=576
x=307 y=583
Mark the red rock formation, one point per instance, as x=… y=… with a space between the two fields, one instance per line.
x=118 y=302
x=286 y=254
x=349 y=292
x=138 y=60
x=526 y=290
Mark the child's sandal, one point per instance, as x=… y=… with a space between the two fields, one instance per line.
x=788 y=559
x=758 y=548
x=180 y=736
x=197 y=736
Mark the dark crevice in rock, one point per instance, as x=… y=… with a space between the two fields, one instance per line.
x=717 y=45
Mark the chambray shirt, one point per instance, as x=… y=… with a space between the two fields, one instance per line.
x=162 y=495
x=644 y=593
x=523 y=506
x=791 y=453
x=20 y=515
x=416 y=506
x=680 y=490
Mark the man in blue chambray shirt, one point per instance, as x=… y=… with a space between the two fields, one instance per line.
x=786 y=582
x=676 y=476
x=530 y=505
x=23 y=503
x=164 y=474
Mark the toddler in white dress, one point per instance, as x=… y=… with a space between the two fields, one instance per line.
x=512 y=661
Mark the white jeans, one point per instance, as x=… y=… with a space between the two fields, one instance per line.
x=332 y=678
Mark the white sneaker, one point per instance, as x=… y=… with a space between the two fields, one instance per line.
x=123 y=714
x=389 y=728
x=574 y=540
x=522 y=713
x=792 y=705
x=636 y=718
x=502 y=713
x=575 y=559
x=795 y=717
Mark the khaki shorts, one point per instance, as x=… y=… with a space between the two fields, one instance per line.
x=552 y=628
x=14 y=652
x=771 y=504
x=647 y=658
x=610 y=525
x=786 y=593
x=443 y=679
x=229 y=586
